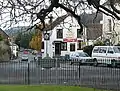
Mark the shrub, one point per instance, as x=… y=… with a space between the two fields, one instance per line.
x=1 y=38
x=88 y=49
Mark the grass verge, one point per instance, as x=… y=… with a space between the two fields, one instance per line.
x=44 y=88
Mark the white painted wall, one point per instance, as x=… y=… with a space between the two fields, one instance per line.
x=115 y=26
x=66 y=28
x=69 y=21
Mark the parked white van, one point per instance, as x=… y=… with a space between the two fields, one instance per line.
x=109 y=55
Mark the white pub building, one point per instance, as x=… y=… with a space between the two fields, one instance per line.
x=64 y=38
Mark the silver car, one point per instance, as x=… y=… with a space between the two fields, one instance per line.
x=81 y=57
x=25 y=57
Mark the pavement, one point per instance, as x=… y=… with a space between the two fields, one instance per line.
x=66 y=74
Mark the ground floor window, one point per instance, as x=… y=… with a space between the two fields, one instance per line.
x=42 y=46
x=64 y=46
x=72 y=46
x=78 y=45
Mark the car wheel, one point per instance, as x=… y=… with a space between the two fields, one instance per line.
x=95 y=63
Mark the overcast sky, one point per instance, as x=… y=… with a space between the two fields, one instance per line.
x=6 y=17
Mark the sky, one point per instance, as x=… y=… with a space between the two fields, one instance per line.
x=6 y=17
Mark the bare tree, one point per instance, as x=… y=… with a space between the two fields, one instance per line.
x=36 y=11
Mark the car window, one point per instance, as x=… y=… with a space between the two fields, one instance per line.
x=95 y=50
x=72 y=54
x=116 y=49
x=87 y=55
x=102 y=49
x=110 y=50
x=82 y=54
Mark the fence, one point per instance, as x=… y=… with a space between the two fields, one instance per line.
x=59 y=72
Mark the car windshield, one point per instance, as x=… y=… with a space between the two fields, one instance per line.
x=83 y=54
x=116 y=49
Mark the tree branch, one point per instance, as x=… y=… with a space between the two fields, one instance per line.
x=112 y=2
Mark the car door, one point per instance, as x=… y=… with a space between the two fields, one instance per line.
x=109 y=55
x=102 y=54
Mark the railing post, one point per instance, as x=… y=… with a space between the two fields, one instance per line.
x=56 y=60
x=79 y=70
x=28 y=71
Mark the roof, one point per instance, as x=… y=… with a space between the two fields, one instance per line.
x=3 y=34
x=90 y=18
x=94 y=31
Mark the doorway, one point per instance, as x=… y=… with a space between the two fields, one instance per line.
x=57 y=49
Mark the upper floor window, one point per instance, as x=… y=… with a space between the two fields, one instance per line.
x=59 y=33
x=79 y=33
x=109 y=24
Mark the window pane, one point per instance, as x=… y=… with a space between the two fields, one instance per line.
x=110 y=50
x=42 y=45
x=72 y=47
x=64 y=46
x=102 y=50
x=96 y=50
x=116 y=49
x=59 y=33
x=78 y=33
x=78 y=45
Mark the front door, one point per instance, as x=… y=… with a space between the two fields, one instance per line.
x=57 y=49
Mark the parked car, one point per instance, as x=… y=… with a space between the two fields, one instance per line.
x=25 y=51
x=34 y=52
x=81 y=57
x=109 y=55
x=24 y=57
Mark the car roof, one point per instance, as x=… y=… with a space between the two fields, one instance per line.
x=77 y=52
x=107 y=46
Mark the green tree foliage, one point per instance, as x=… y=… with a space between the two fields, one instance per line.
x=18 y=39
x=22 y=40
x=99 y=43
x=1 y=38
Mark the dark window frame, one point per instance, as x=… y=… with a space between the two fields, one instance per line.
x=79 y=45
x=78 y=33
x=42 y=45
x=71 y=46
x=63 y=46
x=59 y=33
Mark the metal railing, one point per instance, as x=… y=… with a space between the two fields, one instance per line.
x=60 y=72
